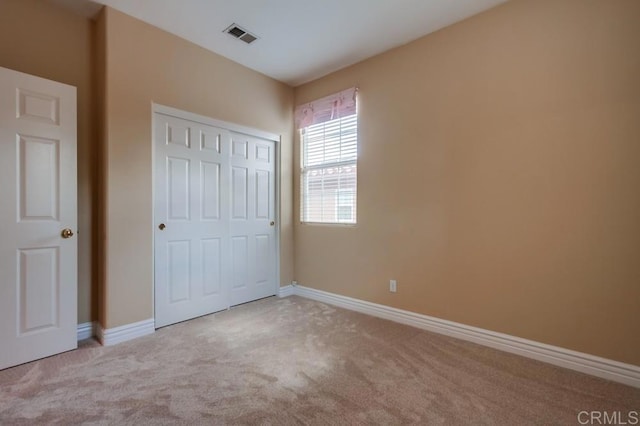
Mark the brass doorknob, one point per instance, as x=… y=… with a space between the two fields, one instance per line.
x=66 y=233
x=162 y=226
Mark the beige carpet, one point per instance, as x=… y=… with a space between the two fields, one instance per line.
x=296 y=361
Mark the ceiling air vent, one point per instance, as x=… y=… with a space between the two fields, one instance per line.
x=236 y=32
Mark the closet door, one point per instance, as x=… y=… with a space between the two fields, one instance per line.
x=191 y=235
x=215 y=235
x=252 y=218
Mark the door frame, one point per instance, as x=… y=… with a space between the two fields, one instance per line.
x=237 y=128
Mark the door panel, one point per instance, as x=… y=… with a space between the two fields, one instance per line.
x=215 y=193
x=239 y=260
x=212 y=266
x=239 y=148
x=210 y=140
x=178 y=134
x=40 y=107
x=38 y=297
x=210 y=184
x=263 y=259
x=262 y=194
x=178 y=188
x=239 y=192
x=38 y=178
x=178 y=261
x=38 y=268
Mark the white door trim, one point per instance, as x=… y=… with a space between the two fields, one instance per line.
x=186 y=115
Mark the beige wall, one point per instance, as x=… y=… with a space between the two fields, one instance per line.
x=41 y=39
x=145 y=65
x=499 y=177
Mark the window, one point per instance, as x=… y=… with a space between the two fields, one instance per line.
x=329 y=160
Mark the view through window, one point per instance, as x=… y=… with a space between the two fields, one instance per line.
x=329 y=171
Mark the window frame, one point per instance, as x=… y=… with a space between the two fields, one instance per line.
x=306 y=169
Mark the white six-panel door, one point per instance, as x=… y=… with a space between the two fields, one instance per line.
x=38 y=266
x=251 y=224
x=214 y=216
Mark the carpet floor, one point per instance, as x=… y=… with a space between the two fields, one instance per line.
x=297 y=361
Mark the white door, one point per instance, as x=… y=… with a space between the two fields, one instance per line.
x=38 y=251
x=210 y=240
x=252 y=230
x=191 y=174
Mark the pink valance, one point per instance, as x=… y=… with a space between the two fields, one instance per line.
x=338 y=105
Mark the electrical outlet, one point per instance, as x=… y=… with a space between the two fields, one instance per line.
x=393 y=286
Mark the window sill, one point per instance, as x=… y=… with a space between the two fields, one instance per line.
x=336 y=224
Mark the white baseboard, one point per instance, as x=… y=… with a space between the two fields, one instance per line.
x=596 y=366
x=86 y=330
x=285 y=291
x=113 y=336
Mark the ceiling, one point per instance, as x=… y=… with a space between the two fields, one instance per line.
x=299 y=40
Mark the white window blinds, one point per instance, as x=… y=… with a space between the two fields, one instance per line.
x=329 y=161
